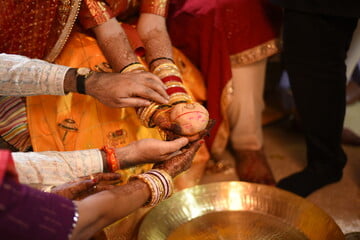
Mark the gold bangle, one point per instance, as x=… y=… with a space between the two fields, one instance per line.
x=177 y=97
x=174 y=84
x=134 y=67
x=165 y=66
x=147 y=113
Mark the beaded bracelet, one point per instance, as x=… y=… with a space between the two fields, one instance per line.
x=112 y=162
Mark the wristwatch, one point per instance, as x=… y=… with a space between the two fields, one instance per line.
x=81 y=75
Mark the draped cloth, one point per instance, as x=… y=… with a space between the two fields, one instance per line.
x=28 y=213
x=209 y=31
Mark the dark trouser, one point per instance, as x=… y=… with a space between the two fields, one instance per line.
x=315 y=49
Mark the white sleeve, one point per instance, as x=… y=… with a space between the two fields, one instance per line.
x=55 y=168
x=22 y=76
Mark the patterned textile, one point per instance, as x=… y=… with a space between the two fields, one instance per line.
x=94 y=13
x=36 y=29
x=22 y=76
x=13 y=123
x=55 y=168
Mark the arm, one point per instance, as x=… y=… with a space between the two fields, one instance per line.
x=38 y=211
x=23 y=76
x=152 y=31
x=55 y=168
x=109 y=206
x=114 y=44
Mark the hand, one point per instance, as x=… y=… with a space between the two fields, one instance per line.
x=181 y=162
x=84 y=186
x=148 y=151
x=131 y=89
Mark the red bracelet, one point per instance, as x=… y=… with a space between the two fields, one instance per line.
x=173 y=90
x=113 y=164
x=171 y=78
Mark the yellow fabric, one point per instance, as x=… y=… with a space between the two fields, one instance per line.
x=92 y=124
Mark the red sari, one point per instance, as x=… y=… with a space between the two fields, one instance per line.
x=208 y=31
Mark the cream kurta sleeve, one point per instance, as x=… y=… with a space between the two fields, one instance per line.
x=22 y=76
x=54 y=168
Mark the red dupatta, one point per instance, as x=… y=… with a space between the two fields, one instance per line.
x=7 y=166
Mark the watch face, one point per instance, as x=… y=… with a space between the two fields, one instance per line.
x=83 y=71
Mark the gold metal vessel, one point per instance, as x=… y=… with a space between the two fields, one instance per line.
x=237 y=211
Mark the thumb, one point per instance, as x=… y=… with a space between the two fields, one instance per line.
x=175 y=145
x=84 y=186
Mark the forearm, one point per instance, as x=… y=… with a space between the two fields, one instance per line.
x=152 y=31
x=108 y=207
x=22 y=76
x=114 y=44
x=55 y=168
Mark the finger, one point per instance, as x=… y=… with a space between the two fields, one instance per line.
x=150 y=94
x=83 y=186
x=171 y=155
x=100 y=188
x=173 y=146
x=157 y=85
x=133 y=102
x=108 y=177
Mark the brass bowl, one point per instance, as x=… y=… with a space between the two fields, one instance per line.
x=237 y=210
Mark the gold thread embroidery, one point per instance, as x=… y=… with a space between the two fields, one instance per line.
x=255 y=54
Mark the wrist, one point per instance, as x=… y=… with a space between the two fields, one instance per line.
x=82 y=74
x=122 y=155
x=70 y=81
x=104 y=160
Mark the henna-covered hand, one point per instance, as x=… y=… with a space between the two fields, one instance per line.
x=181 y=162
x=84 y=186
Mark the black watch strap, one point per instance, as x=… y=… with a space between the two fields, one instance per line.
x=80 y=84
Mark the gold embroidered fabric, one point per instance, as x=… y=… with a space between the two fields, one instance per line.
x=158 y=7
x=255 y=54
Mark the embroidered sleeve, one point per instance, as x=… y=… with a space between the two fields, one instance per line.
x=22 y=76
x=55 y=168
x=158 y=7
x=94 y=13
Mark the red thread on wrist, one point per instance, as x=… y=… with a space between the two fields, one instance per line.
x=113 y=164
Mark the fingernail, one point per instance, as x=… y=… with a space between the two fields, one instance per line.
x=94 y=180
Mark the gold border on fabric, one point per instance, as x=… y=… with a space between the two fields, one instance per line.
x=223 y=133
x=256 y=53
x=55 y=51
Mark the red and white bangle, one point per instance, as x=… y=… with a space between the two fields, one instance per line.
x=160 y=184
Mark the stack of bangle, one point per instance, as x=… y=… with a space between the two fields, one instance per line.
x=112 y=162
x=171 y=77
x=133 y=67
x=146 y=113
x=160 y=184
